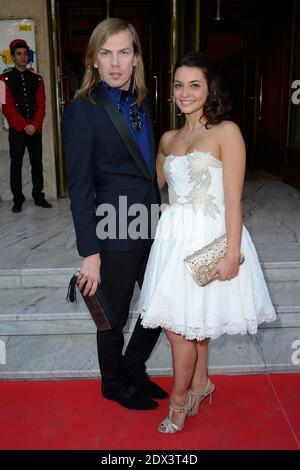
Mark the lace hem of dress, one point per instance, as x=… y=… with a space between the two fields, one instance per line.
x=199 y=334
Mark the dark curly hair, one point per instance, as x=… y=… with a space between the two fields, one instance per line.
x=218 y=106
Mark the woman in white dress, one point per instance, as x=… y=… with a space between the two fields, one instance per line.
x=204 y=166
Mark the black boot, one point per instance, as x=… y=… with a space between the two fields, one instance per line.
x=43 y=203
x=130 y=397
x=142 y=382
x=17 y=207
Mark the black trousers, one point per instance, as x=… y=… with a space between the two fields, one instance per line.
x=119 y=272
x=18 y=141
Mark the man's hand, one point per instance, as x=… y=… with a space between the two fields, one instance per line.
x=89 y=275
x=30 y=129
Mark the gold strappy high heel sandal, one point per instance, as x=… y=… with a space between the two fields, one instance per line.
x=167 y=426
x=199 y=396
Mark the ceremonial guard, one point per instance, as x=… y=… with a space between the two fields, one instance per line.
x=25 y=111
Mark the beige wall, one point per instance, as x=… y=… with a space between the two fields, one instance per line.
x=38 y=10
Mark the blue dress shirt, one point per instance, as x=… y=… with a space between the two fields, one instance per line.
x=135 y=118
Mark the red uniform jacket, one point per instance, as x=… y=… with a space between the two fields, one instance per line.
x=25 y=99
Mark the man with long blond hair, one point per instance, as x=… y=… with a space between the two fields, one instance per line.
x=108 y=140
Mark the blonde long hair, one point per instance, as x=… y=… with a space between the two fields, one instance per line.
x=101 y=33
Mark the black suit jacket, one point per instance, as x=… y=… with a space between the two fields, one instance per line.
x=103 y=163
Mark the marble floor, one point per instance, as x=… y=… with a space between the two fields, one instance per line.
x=38 y=255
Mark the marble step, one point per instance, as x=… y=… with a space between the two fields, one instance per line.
x=73 y=324
x=44 y=311
x=43 y=357
x=54 y=268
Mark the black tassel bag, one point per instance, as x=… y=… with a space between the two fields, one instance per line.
x=97 y=305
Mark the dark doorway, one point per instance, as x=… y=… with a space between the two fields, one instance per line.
x=253 y=41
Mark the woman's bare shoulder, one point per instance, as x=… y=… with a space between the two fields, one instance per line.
x=167 y=136
x=166 y=140
x=228 y=127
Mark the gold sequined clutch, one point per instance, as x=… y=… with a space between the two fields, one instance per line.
x=202 y=262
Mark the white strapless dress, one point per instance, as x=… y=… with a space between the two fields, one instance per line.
x=195 y=216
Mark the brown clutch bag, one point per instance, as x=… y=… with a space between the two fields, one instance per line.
x=202 y=262
x=97 y=305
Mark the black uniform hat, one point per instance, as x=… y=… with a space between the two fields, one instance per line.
x=17 y=43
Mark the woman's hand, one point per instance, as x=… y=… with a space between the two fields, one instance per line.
x=89 y=275
x=226 y=269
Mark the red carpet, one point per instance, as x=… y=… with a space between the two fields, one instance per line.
x=247 y=412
